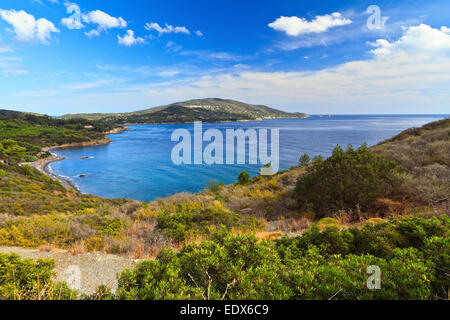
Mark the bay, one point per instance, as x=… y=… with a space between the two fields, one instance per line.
x=138 y=165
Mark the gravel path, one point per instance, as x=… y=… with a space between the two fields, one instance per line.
x=83 y=272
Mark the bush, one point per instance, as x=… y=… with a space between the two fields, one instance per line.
x=437 y=250
x=29 y=280
x=243 y=177
x=94 y=244
x=231 y=267
x=304 y=160
x=185 y=221
x=213 y=186
x=344 y=181
x=241 y=267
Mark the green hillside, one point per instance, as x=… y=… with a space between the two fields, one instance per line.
x=207 y=110
x=33 y=132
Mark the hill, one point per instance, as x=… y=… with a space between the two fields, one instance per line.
x=34 y=132
x=207 y=110
x=404 y=232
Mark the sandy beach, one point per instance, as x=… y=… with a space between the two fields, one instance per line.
x=42 y=166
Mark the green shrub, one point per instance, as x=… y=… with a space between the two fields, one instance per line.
x=186 y=222
x=304 y=160
x=344 y=181
x=241 y=267
x=437 y=251
x=230 y=267
x=243 y=177
x=29 y=280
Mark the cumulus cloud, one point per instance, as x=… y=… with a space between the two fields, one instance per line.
x=412 y=74
x=27 y=28
x=104 y=20
x=295 y=26
x=167 y=29
x=421 y=38
x=129 y=39
x=74 y=21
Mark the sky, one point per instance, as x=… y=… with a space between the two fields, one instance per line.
x=318 y=57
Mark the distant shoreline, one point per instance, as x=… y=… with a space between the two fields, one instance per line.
x=42 y=165
x=224 y=121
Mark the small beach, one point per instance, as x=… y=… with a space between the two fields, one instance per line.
x=42 y=166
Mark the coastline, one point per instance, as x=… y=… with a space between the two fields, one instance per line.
x=224 y=121
x=42 y=165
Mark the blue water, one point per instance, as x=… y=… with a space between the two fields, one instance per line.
x=138 y=165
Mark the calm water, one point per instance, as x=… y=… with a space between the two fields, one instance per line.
x=138 y=165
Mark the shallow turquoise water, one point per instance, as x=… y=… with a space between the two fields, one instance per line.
x=138 y=165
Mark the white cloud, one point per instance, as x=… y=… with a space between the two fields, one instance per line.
x=199 y=33
x=411 y=76
x=27 y=28
x=167 y=29
x=42 y=2
x=5 y=49
x=294 y=26
x=129 y=39
x=168 y=73
x=11 y=66
x=92 y=33
x=173 y=47
x=212 y=55
x=421 y=38
x=74 y=21
x=104 y=20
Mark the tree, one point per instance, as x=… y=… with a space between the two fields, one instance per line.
x=344 y=181
x=244 y=177
x=11 y=151
x=304 y=160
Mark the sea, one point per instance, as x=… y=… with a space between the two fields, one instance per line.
x=139 y=164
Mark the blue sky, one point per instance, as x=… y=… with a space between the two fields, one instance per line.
x=60 y=57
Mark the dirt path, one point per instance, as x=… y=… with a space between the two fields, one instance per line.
x=83 y=272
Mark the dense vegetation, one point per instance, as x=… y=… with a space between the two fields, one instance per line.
x=412 y=254
x=33 y=132
x=347 y=180
x=207 y=110
x=30 y=280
